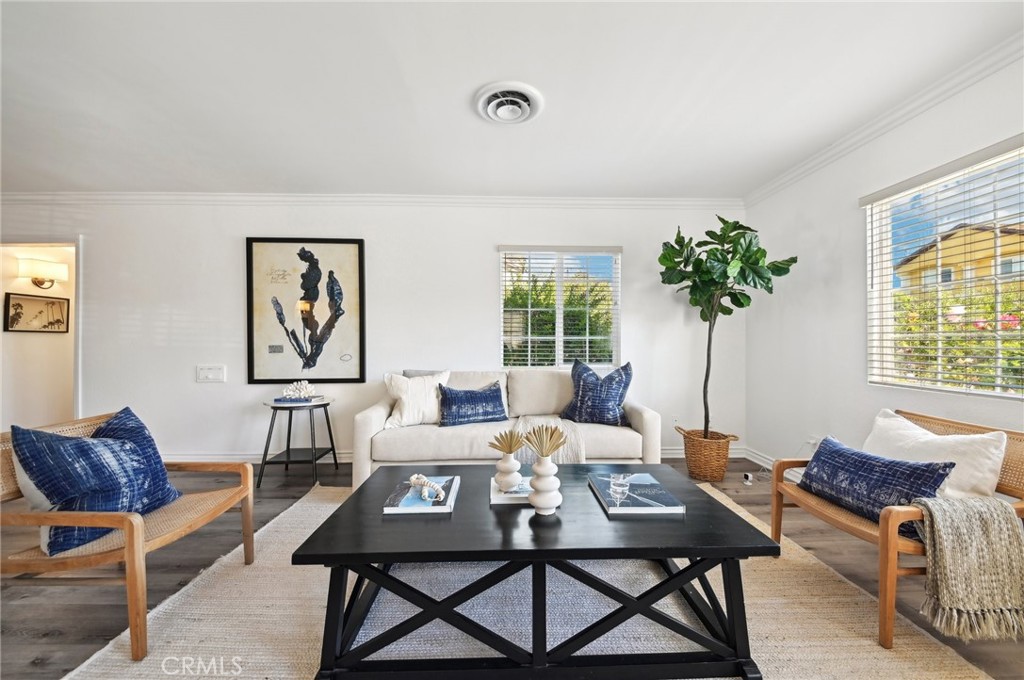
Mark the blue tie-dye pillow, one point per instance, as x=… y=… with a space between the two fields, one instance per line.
x=864 y=483
x=460 y=407
x=77 y=473
x=598 y=400
x=155 y=490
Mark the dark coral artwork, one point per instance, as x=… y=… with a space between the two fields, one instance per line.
x=305 y=310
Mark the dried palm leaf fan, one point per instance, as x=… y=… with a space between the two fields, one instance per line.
x=545 y=440
x=508 y=441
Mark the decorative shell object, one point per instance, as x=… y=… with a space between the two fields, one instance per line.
x=426 y=486
x=545 y=440
x=300 y=389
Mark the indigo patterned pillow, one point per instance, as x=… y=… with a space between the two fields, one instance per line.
x=864 y=483
x=459 y=407
x=77 y=473
x=598 y=400
x=155 y=490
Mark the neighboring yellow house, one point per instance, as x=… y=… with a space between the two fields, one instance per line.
x=965 y=252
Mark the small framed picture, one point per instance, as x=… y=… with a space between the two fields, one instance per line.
x=36 y=313
x=306 y=310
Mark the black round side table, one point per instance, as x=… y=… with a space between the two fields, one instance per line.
x=303 y=455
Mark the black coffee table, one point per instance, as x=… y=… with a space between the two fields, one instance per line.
x=358 y=538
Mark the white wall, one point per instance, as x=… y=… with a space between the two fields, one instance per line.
x=38 y=368
x=163 y=289
x=806 y=354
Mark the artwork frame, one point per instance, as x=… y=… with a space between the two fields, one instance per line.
x=25 y=313
x=295 y=287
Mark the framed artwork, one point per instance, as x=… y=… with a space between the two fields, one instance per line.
x=306 y=312
x=36 y=313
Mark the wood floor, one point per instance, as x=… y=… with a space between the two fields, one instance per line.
x=49 y=630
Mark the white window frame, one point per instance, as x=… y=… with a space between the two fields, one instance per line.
x=930 y=364
x=561 y=254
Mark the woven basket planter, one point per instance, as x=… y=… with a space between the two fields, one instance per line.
x=706 y=459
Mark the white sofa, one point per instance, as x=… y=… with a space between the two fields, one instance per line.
x=526 y=392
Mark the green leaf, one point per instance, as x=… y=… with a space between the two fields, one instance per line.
x=734 y=267
x=739 y=299
x=781 y=267
x=671 y=277
x=725 y=310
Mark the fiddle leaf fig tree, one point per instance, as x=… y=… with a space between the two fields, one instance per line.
x=715 y=273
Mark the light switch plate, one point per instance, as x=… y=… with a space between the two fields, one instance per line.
x=211 y=373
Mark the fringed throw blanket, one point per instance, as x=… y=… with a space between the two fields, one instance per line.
x=572 y=452
x=975 y=582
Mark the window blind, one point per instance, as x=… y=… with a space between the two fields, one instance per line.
x=946 y=281
x=558 y=305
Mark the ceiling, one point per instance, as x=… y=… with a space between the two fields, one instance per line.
x=644 y=100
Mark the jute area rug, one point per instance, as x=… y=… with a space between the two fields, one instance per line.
x=806 y=622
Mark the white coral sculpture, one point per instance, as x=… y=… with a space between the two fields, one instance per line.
x=545 y=440
x=300 y=389
x=426 y=487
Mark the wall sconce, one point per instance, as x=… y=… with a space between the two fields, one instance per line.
x=42 y=272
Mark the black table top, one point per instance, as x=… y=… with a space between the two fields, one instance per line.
x=359 y=533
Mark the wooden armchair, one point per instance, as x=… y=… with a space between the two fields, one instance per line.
x=136 y=534
x=885 y=534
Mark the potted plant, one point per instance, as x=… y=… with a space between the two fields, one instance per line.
x=716 y=273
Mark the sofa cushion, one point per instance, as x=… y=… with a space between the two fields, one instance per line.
x=865 y=484
x=431 y=442
x=596 y=399
x=477 y=380
x=76 y=474
x=978 y=457
x=416 y=399
x=606 y=441
x=538 y=391
x=462 y=407
x=155 y=490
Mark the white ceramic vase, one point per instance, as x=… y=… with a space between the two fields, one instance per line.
x=545 y=497
x=508 y=476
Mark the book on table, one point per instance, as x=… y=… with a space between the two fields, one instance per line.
x=633 y=494
x=298 y=400
x=407 y=499
x=517 y=496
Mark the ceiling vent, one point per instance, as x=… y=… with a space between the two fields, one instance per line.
x=509 y=102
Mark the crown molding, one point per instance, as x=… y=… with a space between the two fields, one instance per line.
x=992 y=61
x=364 y=200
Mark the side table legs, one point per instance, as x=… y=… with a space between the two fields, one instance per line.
x=266 y=448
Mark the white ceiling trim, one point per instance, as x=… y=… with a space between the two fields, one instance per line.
x=992 y=61
x=359 y=200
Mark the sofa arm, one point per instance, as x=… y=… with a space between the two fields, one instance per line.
x=647 y=422
x=367 y=423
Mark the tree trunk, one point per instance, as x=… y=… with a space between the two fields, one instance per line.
x=707 y=376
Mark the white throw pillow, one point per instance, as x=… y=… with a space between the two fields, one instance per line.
x=416 y=399
x=978 y=457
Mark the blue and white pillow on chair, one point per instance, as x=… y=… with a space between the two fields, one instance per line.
x=864 y=483
x=598 y=400
x=155 y=490
x=76 y=474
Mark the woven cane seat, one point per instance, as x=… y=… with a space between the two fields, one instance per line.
x=170 y=519
x=842 y=518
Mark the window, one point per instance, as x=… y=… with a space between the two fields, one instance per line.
x=959 y=227
x=559 y=305
x=1011 y=266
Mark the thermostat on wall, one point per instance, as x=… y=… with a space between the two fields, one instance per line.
x=211 y=373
